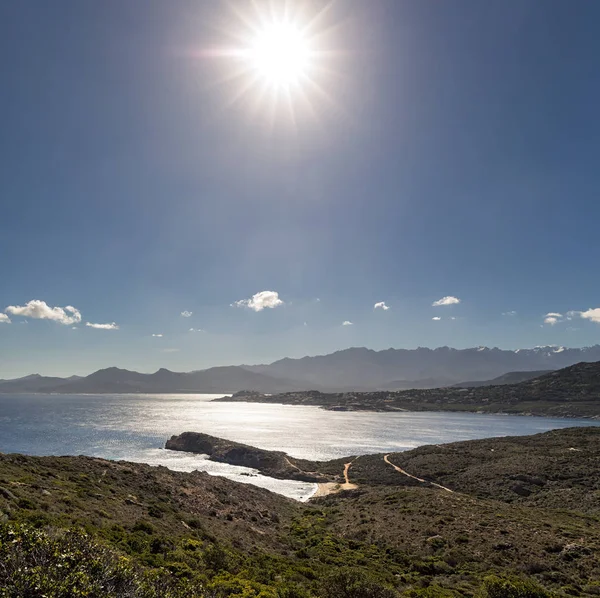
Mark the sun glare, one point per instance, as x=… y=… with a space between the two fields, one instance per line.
x=280 y=59
x=280 y=55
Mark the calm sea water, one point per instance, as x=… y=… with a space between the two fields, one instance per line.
x=135 y=428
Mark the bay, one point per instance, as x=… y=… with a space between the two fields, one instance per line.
x=135 y=428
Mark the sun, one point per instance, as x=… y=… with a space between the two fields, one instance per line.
x=280 y=55
x=279 y=60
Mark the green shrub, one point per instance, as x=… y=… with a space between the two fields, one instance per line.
x=495 y=587
x=25 y=503
x=215 y=558
x=143 y=526
x=431 y=592
x=57 y=564
x=350 y=583
x=155 y=511
x=292 y=591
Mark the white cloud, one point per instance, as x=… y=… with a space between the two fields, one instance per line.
x=436 y=319
x=453 y=317
x=196 y=330
x=260 y=301
x=509 y=313
x=157 y=335
x=111 y=326
x=4 y=319
x=381 y=305
x=592 y=314
x=186 y=314
x=552 y=318
x=449 y=300
x=40 y=310
x=347 y=323
x=574 y=314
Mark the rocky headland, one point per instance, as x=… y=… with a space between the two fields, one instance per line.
x=275 y=464
x=572 y=392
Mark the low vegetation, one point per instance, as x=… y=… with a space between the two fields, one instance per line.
x=76 y=526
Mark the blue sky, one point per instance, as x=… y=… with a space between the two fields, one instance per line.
x=443 y=149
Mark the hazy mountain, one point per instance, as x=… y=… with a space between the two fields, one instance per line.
x=394 y=368
x=116 y=380
x=508 y=378
x=32 y=383
x=352 y=369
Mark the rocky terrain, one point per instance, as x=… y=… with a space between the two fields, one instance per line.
x=275 y=464
x=497 y=517
x=508 y=378
x=570 y=392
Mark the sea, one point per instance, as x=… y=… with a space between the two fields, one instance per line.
x=136 y=427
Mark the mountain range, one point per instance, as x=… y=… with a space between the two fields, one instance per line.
x=351 y=369
x=399 y=369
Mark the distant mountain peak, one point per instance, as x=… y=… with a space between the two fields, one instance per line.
x=364 y=369
x=353 y=369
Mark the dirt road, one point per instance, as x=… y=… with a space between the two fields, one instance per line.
x=400 y=470
x=333 y=487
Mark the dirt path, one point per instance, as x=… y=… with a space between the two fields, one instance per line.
x=400 y=470
x=348 y=485
x=333 y=487
x=294 y=466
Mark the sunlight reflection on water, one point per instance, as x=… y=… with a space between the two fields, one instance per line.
x=135 y=428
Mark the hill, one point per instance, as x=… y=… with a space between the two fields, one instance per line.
x=570 y=392
x=508 y=378
x=508 y=517
x=34 y=383
x=116 y=380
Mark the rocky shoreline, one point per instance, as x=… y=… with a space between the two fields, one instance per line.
x=275 y=464
x=573 y=392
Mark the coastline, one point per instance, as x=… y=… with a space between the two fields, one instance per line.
x=594 y=417
x=227 y=398
x=427 y=408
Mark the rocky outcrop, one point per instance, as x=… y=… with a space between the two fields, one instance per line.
x=275 y=464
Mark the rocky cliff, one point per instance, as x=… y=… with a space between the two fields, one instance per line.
x=275 y=464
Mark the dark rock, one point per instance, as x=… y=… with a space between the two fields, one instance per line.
x=520 y=490
x=7 y=494
x=528 y=479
